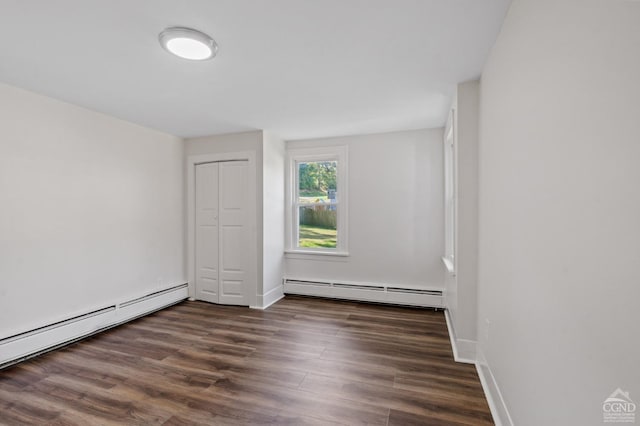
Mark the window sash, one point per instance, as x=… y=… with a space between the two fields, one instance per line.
x=296 y=215
x=298 y=162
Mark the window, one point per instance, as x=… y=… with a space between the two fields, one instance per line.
x=449 y=195
x=317 y=191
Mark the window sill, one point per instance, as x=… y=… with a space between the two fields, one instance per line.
x=449 y=265
x=316 y=253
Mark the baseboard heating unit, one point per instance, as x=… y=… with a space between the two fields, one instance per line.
x=380 y=293
x=30 y=343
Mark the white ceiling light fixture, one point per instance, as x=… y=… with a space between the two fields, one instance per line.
x=188 y=43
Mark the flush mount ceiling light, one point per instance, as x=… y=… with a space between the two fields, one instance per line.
x=188 y=43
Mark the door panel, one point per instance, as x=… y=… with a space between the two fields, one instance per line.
x=232 y=255
x=232 y=288
x=207 y=233
x=233 y=180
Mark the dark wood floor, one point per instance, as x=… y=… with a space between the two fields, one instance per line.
x=302 y=361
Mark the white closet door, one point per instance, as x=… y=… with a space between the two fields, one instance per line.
x=234 y=245
x=222 y=232
x=207 y=232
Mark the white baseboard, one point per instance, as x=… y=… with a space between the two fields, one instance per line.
x=27 y=344
x=469 y=352
x=269 y=298
x=464 y=350
x=499 y=411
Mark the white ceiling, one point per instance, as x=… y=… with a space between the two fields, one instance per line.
x=301 y=68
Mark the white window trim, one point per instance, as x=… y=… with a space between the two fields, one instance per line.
x=450 y=194
x=295 y=155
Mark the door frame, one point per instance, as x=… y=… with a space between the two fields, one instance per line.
x=251 y=290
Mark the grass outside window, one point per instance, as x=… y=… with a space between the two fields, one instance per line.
x=316 y=237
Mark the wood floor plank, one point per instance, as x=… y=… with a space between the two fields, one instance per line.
x=303 y=361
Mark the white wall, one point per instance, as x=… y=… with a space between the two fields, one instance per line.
x=90 y=210
x=238 y=142
x=273 y=216
x=461 y=287
x=395 y=212
x=559 y=244
x=231 y=142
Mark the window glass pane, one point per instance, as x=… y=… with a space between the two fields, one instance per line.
x=318 y=226
x=317 y=181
